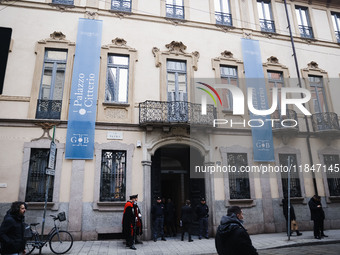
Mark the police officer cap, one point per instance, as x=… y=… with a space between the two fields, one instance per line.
x=158 y=198
x=202 y=199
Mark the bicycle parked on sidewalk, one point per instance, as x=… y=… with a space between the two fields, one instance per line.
x=60 y=241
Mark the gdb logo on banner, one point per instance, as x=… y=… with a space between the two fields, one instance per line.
x=80 y=140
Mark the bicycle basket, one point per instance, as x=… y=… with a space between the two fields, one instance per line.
x=28 y=232
x=62 y=216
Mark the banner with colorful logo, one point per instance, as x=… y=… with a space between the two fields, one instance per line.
x=84 y=90
x=263 y=146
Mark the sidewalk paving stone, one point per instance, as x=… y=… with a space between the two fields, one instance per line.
x=174 y=245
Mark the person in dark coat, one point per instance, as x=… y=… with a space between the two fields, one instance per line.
x=317 y=215
x=129 y=222
x=12 y=230
x=138 y=221
x=186 y=218
x=292 y=217
x=231 y=237
x=157 y=212
x=170 y=218
x=202 y=212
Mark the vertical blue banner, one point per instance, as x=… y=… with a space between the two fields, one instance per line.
x=263 y=146
x=84 y=90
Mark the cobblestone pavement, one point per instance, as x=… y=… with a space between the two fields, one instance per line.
x=321 y=249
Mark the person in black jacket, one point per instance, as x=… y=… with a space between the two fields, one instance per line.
x=231 y=237
x=293 y=223
x=317 y=215
x=12 y=230
x=186 y=219
x=202 y=212
x=157 y=212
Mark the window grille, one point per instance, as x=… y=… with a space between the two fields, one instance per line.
x=238 y=181
x=332 y=164
x=113 y=171
x=37 y=179
x=121 y=5
x=295 y=188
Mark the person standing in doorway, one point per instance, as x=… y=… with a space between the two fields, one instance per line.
x=12 y=230
x=170 y=218
x=317 y=215
x=186 y=219
x=202 y=212
x=129 y=222
x=157 y=212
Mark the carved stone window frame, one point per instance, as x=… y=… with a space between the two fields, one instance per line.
x=227 y=59
x=119 y=112
x=56 y=41
x=42 y=144
x=297 y=152
x=115 y=146
x=273 y=64
x=321 y=153
x=240 y=202
x=313 y=69
x=176 y=51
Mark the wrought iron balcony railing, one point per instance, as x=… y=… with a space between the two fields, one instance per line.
x=285 y=122
x=223 y=18
x=267 y=25
x=65 y=2
x=176 y=112
x=121 y=5
x=337 y=34
x=306 y=32
x=48 y=109
x=325 y=121
x=174 y=11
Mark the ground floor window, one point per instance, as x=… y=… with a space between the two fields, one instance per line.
x=238 y=180
x=37 y=178
x=113 y=172
x=290 y=161
x=332 y=164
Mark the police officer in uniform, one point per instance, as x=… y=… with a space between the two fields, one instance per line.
x=202 y=212
x=158 y=211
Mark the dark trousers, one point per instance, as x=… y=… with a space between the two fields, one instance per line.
x=318 y=228
x=203 y=227
x=171 y=227
x=186 y=228
x=129 y=237
x=158 y=227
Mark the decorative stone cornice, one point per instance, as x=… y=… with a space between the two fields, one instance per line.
x=46 y=126
x=177 y=49
x=313 y=66
x=227 y=54
x=91 y=15
x=274 y=61
x=119 y=43
x=58 y=37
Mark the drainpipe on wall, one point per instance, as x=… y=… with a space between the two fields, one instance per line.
x=299 y=83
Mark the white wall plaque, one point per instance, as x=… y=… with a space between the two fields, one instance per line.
x=114 y=135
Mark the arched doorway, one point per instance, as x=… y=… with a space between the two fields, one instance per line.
x=170 y=176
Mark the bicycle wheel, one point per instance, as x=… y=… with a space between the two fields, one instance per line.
x=61 y=242
x=30 y=245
